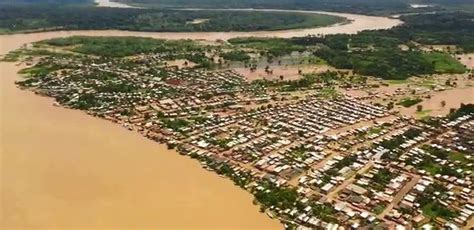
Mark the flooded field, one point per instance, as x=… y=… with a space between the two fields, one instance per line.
x=288 y=72
x=467 y=60
x=432 y=106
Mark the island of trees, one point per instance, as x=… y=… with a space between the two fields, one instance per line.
x=25 y=18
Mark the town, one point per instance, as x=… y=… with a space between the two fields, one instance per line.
x=327 y=149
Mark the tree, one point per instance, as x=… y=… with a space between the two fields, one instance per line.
x=390 y=105
x=443 y=103
x=419 y=108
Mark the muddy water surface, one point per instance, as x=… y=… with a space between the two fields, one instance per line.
x=61 y=168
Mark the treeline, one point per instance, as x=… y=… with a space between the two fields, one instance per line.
x=377 y=53
x=113 y=47
x=45 y=2
x=353 y=6
x=270 y=47
x=453 y=28
x=24 y=18
x=440 y=28
x=123 y=46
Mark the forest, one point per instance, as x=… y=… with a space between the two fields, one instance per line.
x=24 y=18
x=378 y=53
x=375 y=7
x=45 y=2
x=123 y=46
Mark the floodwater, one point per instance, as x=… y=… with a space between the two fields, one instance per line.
x=108 y=3
x=356 y=23
x=452 y=97
x=288 y=72
x=63 y=169
x=466 y=59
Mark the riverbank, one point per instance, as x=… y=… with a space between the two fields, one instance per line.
x=274 y=22
x=63 y=169
x=357 y=24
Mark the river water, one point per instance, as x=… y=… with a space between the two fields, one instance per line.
x=63 y=169
x=108 y=3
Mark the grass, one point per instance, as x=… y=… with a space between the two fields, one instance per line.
x=428 y=83
x=444 y=63
x=13 y=56
x=298 y=153
x=397 y=82
x=434 y=209
x=328 y=93
x=374 y=130
x=39 y=70
x=423 y=113
x=408 y=102
x=456 y=156
x=432 y=169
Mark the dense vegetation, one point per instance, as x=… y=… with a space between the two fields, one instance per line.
x=455 y=28
x=236 y=55
x=354 y=6
x=128 y=46
x=465 y=109
x=408 y=102
x=20 y=18
x=45 y=2
x=271 y=47
x=122 y=46
x=379 y=53
x=396 y=141
x=444 y=63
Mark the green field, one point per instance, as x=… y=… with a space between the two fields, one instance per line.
x=408 y=102
x=444 y=63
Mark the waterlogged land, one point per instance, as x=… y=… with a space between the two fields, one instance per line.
x=63 y=169
x=297 y=22
x=261 y=132
x=115 y=166
x=73 y=151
